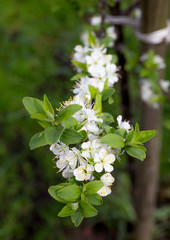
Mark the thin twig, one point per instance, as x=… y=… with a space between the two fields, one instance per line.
x=131 y=7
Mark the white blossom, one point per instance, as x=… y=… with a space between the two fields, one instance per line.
x=103 y=160
x=84 y=172
x=147 y=93
x=90 y=148
x=164 y=85
x=104 y=191
x=80 y=53
x=96 y=20
x=123 y=124
x=107 y=179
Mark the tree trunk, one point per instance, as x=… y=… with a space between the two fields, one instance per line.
x=154 y=17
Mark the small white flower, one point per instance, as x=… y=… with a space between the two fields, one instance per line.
x=59 y=148
x=147 y=93
x=103 y=160
x=123 y=124
x=90 y=148
x=158 y=60
x=80 y=53
x=164 y=85
x=107 y=179
x=104 y=191
x=96 y=20
x=84 y=172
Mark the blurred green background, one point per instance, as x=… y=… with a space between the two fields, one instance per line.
x=36 y=44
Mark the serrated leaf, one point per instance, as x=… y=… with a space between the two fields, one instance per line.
x=147 y=135
x=67 y=112
x=70 y=193
x=47 y=105
x=94 y=199
x=33 y=105
x=107 y=93
x=136 y=152
x=110 y=100
x=80 y=65
x=67 y=210
x=77 y=218
x=84 y=135
x=93 y=187
x=113 y=140
x=53 y=192
x=70 y=122
x=71 y=136
x=44 y=124
x=37 y=140
x=53 y=134
x=86 y=209
x=121 y=132
x=93 y=91
x=40 y=116
x=98 y=103
x=107 y=40
x=91 y=39
x=79 y=75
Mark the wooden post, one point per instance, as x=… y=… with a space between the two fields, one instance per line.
x=154 y=17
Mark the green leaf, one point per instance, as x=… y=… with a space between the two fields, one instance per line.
x=77 y=218
x=67 y=210
x=33 y=105
x=121 y=132
x=107 y=40
x=107 y=118
x=98 y=103
x=106 y=84
x=71 y=136
x=113 y=140
x=80 y=65
x=147 y=135
x=67 y=112
x=53 y=192
x=71 y=193
x=53 y=134
x=110 y=101
x=44 y=124
x=129 y=136
x=93 y=91
x=107 y=93
x=93 y=187
x=70 y=123
x=40 y=116
x=94 y=199
x=84 y=135
x=37 y=140
x=91 y=39
x=86 y=209
x=136 y=152
x=79 y=75
x=47 y=105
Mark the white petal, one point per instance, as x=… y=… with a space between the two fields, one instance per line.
x=98 y=167
x=104 y=191
x=108 y=167
x=110 y=158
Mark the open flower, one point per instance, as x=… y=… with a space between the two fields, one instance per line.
x=84 y=172
x=103 y=160
x=104 y=191
x=123 y=124
x=90 y=148
x=107 y=180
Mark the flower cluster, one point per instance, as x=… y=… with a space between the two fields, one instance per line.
x=152 y=88
x=90 y=158
x=100 y=68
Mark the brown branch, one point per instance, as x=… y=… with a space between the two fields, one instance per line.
x=131 y=7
